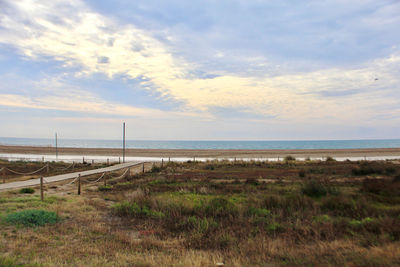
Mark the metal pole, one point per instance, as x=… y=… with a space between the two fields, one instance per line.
x=123 y=144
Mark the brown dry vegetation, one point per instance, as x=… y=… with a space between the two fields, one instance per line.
x=199 y=214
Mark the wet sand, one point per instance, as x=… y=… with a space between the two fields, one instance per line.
x=206 y=153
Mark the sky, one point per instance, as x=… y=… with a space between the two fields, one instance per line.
x=200 y=69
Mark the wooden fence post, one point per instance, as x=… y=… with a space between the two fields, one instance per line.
x=119 y=160
x=143 y=168
x=73 y=164
x=3 y=172
x=41 y=188
x=79 y=184
x=169 y=159
x=162 y=163
x=83 y=160
x=105 y=179
x=92 y=161
x=108 y=161
x=47 y=168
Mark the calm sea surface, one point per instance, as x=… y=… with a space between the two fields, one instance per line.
x=320 y=144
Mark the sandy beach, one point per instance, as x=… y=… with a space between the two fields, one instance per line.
x=212 y=153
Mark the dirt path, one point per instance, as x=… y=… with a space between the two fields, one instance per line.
x=61 y=177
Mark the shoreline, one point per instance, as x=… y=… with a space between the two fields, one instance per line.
x=203 y=153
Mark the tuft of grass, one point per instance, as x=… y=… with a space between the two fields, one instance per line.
x=103 y=188
x=31 y=218
x=27 y=190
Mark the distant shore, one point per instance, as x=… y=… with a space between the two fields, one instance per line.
x=205 y=153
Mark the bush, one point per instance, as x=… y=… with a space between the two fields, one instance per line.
x=27 y=190
x=329 y=159
x=32 y=217
x=302 y=173
x=209 y=167
x=289 y=158
x=155 y=169
x=127 y=209
x=220 y=207
x=314 y=189
x=365 y=170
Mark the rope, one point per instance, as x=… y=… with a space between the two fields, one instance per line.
x=119 y=177
x=27 y=173
x=98 y=179
x=62 y=169
x=73 y=181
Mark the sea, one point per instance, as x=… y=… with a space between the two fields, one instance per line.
x=154 y=144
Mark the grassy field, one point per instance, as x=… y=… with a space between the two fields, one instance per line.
x=202 y=214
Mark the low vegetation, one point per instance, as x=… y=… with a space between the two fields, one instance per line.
x=239 y=213
x=32 y=218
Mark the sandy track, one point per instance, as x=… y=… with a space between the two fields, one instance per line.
x=61 y=177
x=370 y=152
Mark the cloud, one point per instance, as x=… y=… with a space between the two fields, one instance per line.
x=73 y=34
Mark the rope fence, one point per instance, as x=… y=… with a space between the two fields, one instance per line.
x=78 y=180
x=25 y=173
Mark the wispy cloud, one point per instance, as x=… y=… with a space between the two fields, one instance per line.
x=86 y=42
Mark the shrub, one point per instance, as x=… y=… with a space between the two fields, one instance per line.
x=329 y=159
x=289 y=158
x=27 y=190
x=32 y=217
x=302 y=173
x=382 y=187
x=155 y=169
x=127 y=209
x=390 y=171
x=209 y=167
x=365 y=170
x=220 y=207
x=314 y=188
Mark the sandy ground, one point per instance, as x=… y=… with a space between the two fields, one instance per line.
x=314 y=153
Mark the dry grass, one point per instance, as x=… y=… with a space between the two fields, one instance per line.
x=207 y=221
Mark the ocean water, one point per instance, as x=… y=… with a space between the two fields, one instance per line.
x=309 y=144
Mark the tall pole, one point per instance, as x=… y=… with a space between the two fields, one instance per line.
x=56 y=148
x=123 y=145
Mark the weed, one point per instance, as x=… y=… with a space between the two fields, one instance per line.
x=32 y=218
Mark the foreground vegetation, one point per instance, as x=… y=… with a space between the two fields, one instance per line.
x=200 y=214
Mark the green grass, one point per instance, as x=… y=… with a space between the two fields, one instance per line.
x=31 y=218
